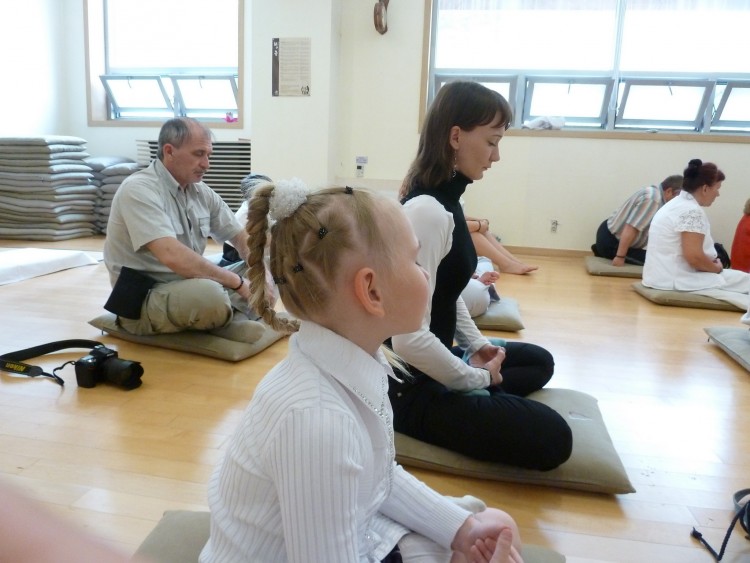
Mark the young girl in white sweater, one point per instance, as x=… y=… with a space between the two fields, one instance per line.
x=310 y=474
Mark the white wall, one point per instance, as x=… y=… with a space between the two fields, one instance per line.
x=380 y=81
x=579 y=182
x=31 y=80
x=364 y=102
x=295 y=136
x=290 y=136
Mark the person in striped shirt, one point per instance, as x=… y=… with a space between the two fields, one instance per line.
x=623 y=236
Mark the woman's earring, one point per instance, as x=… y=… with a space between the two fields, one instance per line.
x=455 y=163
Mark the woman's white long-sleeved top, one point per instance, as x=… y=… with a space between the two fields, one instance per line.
x=310 y=473
x=433 y=225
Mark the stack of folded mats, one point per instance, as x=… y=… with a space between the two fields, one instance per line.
x=45 y=192
x=108 y=173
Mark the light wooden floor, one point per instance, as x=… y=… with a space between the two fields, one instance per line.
x=114 y=460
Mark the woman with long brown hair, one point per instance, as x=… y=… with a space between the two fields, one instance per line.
x=472 y=398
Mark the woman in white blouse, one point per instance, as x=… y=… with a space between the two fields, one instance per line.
x=681 y=253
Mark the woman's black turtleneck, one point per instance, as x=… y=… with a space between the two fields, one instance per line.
x=457 y=267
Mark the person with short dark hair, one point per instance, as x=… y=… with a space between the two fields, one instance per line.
x=622 y=237
x=158 y=228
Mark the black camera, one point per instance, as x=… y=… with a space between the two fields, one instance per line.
x=103 y=365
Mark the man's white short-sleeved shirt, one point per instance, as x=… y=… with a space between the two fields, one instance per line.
x=150 y=205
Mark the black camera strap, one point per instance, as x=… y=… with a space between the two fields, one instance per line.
x=12 y=361
x=742 y=515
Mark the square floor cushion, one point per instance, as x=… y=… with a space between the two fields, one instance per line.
x=180 y=536
x=603 y=267
x=195 y=342
x=593 y=466
x=674 y=298
x=735 y=341
x=501 y=315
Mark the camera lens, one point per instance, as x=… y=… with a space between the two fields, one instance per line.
x=124 y=373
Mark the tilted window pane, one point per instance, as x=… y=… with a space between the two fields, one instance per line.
x=506 y=86
x=737 y=107
x=664 y=102
x=732 y=107
x=206 y=93
x=502 y=88
x=567 y=100
x=686 y=49
x=137 y=93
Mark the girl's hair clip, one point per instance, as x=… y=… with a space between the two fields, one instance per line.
x=348 y=190
x=322 y=232
x=280 y=280
x=286 y=198
x=297 y=268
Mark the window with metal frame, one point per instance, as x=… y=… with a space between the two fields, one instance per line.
x=672 y=65
x=656 y=104
x=201 y=97
x=733 y=110
x=505 y=85
x=138 y=96
x=583 y=101
x=161 y=60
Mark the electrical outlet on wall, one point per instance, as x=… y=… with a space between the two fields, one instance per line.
x=360 y=162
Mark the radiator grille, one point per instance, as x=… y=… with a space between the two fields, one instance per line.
x=230 y=162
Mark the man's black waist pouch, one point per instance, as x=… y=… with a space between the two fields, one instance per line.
x=129 y=293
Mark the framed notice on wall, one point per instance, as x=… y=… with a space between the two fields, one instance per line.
x=290 y=66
